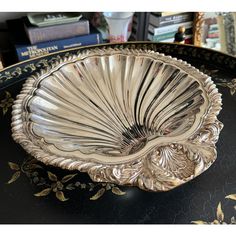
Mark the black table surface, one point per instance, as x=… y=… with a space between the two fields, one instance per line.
x=31 y=192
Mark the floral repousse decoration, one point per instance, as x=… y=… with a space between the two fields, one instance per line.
x=122 y=140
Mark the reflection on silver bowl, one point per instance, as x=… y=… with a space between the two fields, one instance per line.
x=131 y=117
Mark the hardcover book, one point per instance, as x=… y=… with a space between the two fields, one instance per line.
x=54 y=32
x=168 y=38
x=159 y=21
x=150 y=37
x=171 y=28
x=151 y=28
x=24 y=50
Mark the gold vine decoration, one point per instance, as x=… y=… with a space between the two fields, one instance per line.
x=50 y=183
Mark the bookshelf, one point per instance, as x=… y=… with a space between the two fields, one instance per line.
x=146 y=26
x=215 y=30
x=138 y=26
x=160 y=26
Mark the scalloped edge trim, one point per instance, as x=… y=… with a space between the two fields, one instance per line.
x=81 y=165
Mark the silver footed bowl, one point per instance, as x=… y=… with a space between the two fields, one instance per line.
x=130 y=117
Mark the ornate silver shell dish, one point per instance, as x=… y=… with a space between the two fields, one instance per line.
x=124 y=116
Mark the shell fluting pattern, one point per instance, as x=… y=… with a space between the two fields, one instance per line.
x=132 y=117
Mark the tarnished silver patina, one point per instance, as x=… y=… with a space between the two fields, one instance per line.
x=124 y=116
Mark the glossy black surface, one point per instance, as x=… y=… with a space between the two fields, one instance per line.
x=196 y=200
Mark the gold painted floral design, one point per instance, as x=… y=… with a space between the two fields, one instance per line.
x=50 y=183
x=229 y=84
x=199 y=53
x=6 y=103
x=210 y=72
x=220 y=82
x=220 y=216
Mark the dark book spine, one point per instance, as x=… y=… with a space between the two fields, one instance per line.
x=43 y=34
x=170 y=20
x=25 y=52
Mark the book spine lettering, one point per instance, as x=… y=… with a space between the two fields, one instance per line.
x=31 y=51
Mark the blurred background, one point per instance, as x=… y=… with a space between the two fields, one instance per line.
x=25 y=35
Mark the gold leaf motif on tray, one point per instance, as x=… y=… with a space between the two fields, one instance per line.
x=231 y=196
x=199 y=222
x=33 y=166
x=68 y=178
x=6 y=102
x=70 y=186
x=99 y=193
x=117 y=191
x=13 y=166
x=51 y=176
x=43 y=193
x=232 y=91
x=60 y=196
x=14 y=177
x=219 y=213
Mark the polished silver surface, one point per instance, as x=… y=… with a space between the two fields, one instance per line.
x=124 y=116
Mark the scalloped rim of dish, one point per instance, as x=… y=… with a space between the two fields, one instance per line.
x=19 y=136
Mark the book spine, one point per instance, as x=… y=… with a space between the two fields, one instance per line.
x=150 y=37
x=30 y=51
x=169 y=39
x=220 y=22
x=43 y=34
x=170 y=20
x=160 y=38
x=170 y=35
x=152 y=28
x=188 y=31
x=171 y=28
x=213 y=35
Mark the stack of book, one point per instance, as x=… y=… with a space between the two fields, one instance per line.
x=33 y=40
x=211 y=32
x=162 y=27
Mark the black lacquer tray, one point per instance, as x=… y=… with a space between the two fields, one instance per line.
x=34 y=193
